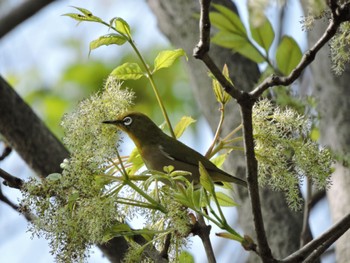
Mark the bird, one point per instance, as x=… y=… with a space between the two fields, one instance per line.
x=158 y=149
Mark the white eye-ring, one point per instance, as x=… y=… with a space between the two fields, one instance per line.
x=127 y=121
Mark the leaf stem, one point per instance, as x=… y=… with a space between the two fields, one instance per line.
x=218 y=131
x=155 y=90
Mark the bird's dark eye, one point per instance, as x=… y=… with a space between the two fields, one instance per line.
x=127 y=121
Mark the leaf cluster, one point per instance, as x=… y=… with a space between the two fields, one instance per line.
x=232 y=34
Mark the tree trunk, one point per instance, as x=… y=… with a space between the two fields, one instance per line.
x=176 y=20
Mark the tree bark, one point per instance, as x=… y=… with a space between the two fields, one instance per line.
x=176 y=20
x=27 y=134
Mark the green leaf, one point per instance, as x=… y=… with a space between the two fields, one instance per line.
x=228 y=40
x=166 y=58
x=225 y=200
x=83 y=11
x=288 y=55
x=122 y=27
x=219 y=160
x=197 y=199
x=128 y=71
x=115 y=230
x=54 y=177
x=250 y=51
x=206 y=180
x=85 y=16
x=239 y=44
x=168 y=169
x=315 y=134
x=227 y=20
x=221 y=95
x=136 y=160
x=182 y=125
x=186 y=257
x=182 y=197
x=263 y=34
x=110 y=39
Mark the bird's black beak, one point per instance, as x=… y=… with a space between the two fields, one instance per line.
x=115 y=122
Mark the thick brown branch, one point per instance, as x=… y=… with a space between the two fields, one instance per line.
x=27 y=134
x=252 y=179
x=19 y=14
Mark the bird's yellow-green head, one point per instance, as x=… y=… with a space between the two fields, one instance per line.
x=141 y=129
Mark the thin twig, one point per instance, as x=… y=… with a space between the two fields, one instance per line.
x=208 y=154
x=7 y=201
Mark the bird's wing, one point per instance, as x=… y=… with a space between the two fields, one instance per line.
x=185 y=158
x=182 y=153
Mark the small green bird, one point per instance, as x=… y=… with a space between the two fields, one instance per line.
x=158 y=149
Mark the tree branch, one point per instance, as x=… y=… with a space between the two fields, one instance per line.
x=340 y=14
x=11 y=180
x=246 y=102
x=203 y=231
x=27 y=134
x=202 y=48
x=315 y=248
x=252 y=179
x=19 y=14
x=6 y=152
x=7 y=201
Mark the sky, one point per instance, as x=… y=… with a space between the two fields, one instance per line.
x=38 y=41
